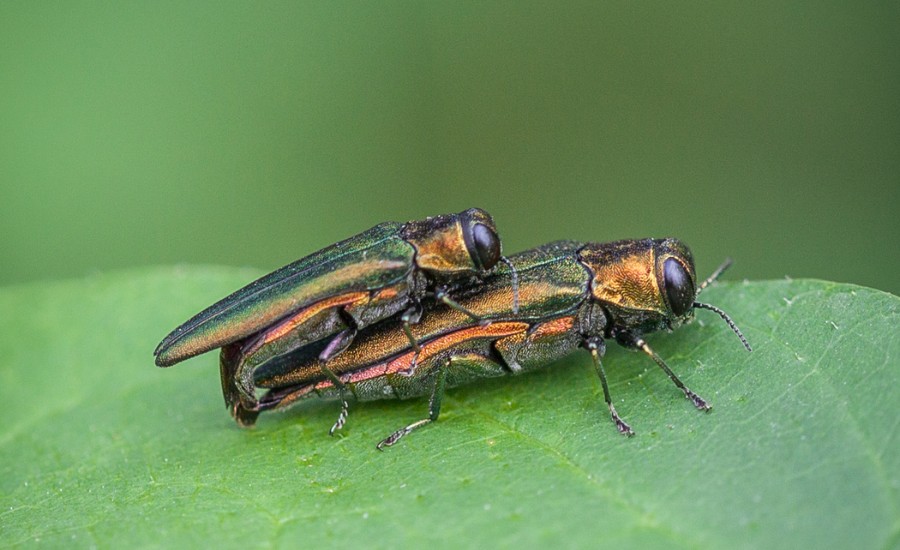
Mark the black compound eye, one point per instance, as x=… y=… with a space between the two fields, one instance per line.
x=487 y=246
x=679 y=287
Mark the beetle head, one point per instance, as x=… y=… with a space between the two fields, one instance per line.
x=646 y=284
x=649 y=284
x=455 y=245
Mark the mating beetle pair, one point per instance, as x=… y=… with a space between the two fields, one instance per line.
x=405 y=310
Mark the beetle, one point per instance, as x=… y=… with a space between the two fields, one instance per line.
x=571 y=295
x=331 y=294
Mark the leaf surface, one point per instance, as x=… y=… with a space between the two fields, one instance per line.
x=100 y=447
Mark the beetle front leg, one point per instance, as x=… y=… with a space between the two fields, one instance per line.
x=698 y=401
x=441 y=295
x=597 y=347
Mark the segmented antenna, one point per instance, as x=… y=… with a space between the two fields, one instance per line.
x=515 y=283
x=715 y=275
x=724 y=317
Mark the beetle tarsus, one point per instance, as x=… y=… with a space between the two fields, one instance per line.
x=342 y=389
x=342 y=417
x=621 y=425
x=394 y=437
x=434 y=409
x=698 y=401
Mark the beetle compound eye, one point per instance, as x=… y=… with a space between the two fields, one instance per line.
x=679 y=287
x=487 y=246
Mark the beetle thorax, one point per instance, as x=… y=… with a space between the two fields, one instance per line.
x=629 y=284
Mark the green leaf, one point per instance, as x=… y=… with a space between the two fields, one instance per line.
x=100 y=447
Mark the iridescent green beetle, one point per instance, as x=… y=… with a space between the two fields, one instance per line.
x=569 y=295
x=332 y=294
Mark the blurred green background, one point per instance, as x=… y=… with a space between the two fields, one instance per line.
x=254 y=133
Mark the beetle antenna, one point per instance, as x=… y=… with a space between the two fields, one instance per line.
x=515 y=283
x=715 y=275
x=728 y=320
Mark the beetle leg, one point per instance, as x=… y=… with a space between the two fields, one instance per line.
x=285 y=397
x=434 y=409
x=441 y=294
x=338 y=344
x=342 y=388
x=410 y=317
x=597 y=347
x=698 y=401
